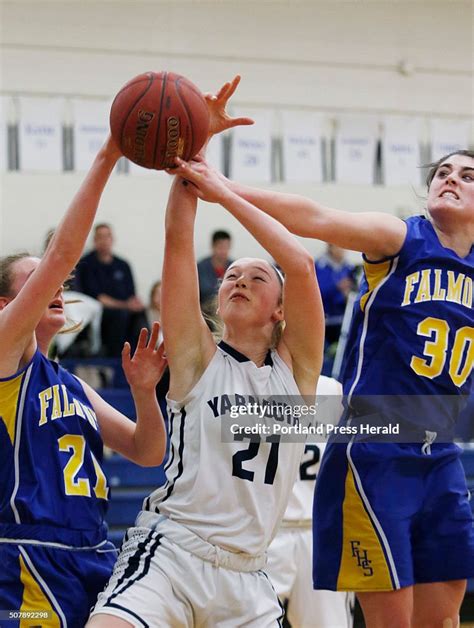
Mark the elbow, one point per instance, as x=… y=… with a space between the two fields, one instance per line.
x=303 y=266
x=152 y=458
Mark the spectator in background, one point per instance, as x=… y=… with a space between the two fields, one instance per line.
x=108 y=278
x=153 y=311
x=212 y=269
x=336 y=280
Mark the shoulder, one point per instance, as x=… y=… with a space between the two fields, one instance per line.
x=204 y=262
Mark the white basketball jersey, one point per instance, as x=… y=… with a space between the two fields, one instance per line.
x=300 y=506
x=231 y=494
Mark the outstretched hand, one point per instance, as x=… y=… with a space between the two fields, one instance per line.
x=216 y=104
x=206 y=182
x=145 y=368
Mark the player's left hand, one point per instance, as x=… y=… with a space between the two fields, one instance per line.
x=206 y=183
x=145 y=368
x=216 y=104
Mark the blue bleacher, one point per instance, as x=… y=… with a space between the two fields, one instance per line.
x=129 y=485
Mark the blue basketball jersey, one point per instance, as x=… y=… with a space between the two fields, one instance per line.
x=52 y=487
x=412 y=332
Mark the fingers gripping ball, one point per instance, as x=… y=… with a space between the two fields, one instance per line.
x=158 y=116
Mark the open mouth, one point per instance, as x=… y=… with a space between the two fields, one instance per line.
x=450 y=194
x=56 y=306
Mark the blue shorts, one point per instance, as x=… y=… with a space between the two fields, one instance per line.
x=62 y=583
x=387 y=516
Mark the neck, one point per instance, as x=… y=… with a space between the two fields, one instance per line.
x=43 y=342
x=218 y=263
x=254 y=346
x=105 y=258
x=459 y=241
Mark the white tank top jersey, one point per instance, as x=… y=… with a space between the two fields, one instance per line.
x=234 y=494
x=300 y=506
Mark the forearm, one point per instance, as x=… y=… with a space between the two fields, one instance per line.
x=270 y=233
x=150 y=433
x=298 y=214
x=71 y=234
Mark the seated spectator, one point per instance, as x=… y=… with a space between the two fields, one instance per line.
x=153 y=311
x=212 y=269
x=336 y=280
x=108 y=278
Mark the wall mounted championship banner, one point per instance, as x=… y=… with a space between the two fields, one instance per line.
x=90 y=127
x=40 y=134
x=355 y=148
x=448 y=136
x=401 y=159
x=250 y=155
x=302 y=147
x=4 y=105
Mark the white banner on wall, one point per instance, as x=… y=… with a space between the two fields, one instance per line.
x=401 y=158
x=448 y=136
x=355 y=146
x=302 y=146
x=250 y=156
x=40 y=134
x=91 y=126
x=4 y=104
x=215 y=152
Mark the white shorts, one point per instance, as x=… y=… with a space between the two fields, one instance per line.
x=167 y=576
x=289 y=568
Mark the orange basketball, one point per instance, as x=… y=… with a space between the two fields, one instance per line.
x=158 y=116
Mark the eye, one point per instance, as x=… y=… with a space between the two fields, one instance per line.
x=231 y=276
x=442 y=173
x=259 y=278
x=468 y=177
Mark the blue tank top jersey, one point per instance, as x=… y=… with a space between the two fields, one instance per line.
x=52 y=487
x=412 y=331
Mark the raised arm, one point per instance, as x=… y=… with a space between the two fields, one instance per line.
x=143 y=441
x=376 y=234
x=303 y=337
x=188 y=341
x=20 y=317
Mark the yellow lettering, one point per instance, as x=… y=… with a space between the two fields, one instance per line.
x=68 y=408
x=101 y=489
x=424 y=289
x=454 y=287
x=79 y=410
x=467 y=292
x=44 y=397
x=56 y=413
x=90 y=416
x=410 y=282
x=439 y=293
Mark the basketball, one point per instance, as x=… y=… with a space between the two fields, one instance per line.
x=158 y=116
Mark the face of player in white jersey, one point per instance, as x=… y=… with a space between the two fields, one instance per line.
x=451 y=191
x=250 y=294
x=53 y=318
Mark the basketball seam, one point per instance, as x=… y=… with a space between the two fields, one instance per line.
x=157 y=136
x=151 y=78
x=183 y=102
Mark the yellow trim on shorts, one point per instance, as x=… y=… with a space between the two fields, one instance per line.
x=374 y=273
x=363 y=564
x=35 y=600
x=10 y=398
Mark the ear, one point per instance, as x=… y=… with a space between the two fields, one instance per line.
x=4 y=301
x=278 y=314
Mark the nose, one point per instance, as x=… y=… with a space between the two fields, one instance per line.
x=241 y=281
x=452 y=177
